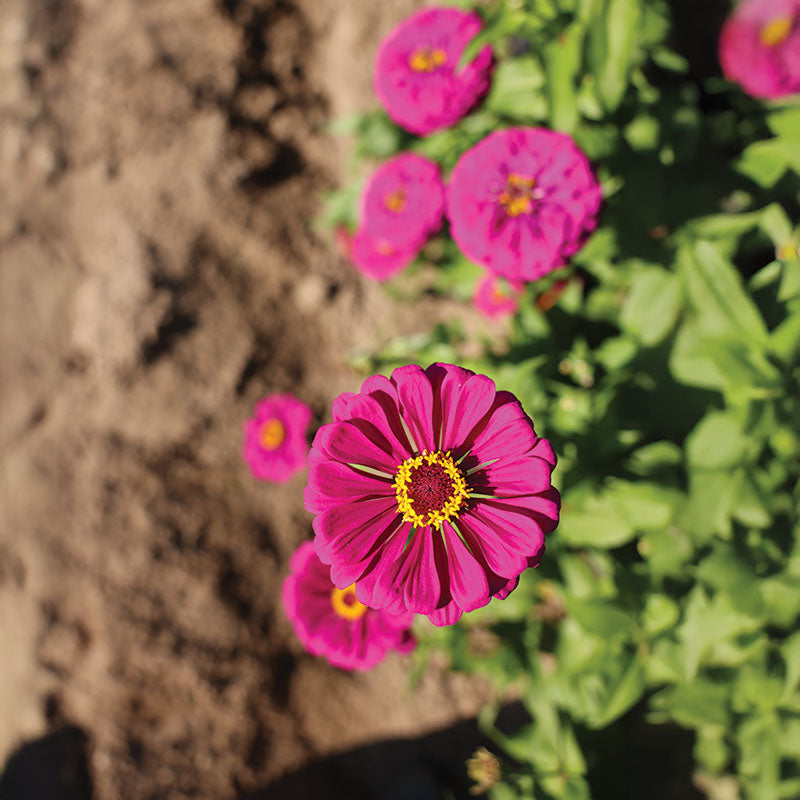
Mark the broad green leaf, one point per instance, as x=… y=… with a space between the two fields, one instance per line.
x=764 y=162
x=601 y=618
x=599 y=526
x=717 y=292
x=776 y=224
x=621 y=695
x=652 y=305
x=725 y=571
x=790 y=280
x=612 y=45
x=654 y=457
x=712 y=498
x=563 y=57
x=646 y=506
x=660 y=614
x=781 y=598
x=790 y=650
x=667 y=552
x=755 y=689
x=759 y=743
x=786 y=124
x=517 y=86
x=718 y=441
x=697 y=704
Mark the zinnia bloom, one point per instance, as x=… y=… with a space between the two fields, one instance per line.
x=416 y=71
x=275 y=444
x=759 y=47
x=432 y=492
x=522 y=201
x=401 y=207
x=332 y=623
x=493 y=299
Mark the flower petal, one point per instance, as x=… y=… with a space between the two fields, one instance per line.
x=346 y=442
x=415 y=393
x=464 y=402
x=331 y=483
x=418 y=574
x=466 y=579
x=448 y=615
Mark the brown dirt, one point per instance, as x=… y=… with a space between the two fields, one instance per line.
x=160 y=161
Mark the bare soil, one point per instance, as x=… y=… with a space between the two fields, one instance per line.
x=160 y=164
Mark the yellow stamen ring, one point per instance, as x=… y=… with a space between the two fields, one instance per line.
x=435 y=483
x=271 y=434
x=774 y=32
x=345 y=603
x=426 y=60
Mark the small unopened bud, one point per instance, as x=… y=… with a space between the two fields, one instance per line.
x=483 y=768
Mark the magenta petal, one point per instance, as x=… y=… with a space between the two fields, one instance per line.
x=419 y=575
x=448 y=615
x=509 y=587
x=467 y=580
x=543 y=508
x=464 y=404
x=526 y=476
x=378 y=586
x=519 y=530
x=508 y=432
x=345 y=441
x=330 y=483
x=543 y=449
x=416 y=404
x=501 y=557
x=352 y=531
x=377 y=416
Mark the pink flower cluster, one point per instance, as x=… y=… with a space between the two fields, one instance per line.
x=759 y=47
x=401 y=208
x=417 y=77
x=432 y=492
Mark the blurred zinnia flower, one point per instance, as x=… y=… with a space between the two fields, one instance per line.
x=432 y=492
x=416 y=71
x=494 y=299
x=401 y=207
x=275 y=444
x=332 y=623
x=759 y=47
x=522 y=201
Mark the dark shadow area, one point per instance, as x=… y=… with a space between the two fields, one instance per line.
x=54 y=767
x=396 y=769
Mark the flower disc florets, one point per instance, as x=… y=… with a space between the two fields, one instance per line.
x=431 y=490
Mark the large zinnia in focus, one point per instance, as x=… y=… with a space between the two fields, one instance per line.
x=759 y=47
x=522 y=201
x=417 y=74
x=432 y=492
x=332 y=623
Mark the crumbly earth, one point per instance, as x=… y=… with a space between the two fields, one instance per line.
x=160 y=165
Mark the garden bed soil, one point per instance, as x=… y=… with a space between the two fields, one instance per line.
x=160 y=165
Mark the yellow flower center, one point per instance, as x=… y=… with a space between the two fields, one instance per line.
x=425 y=59
x=776 y=31
x=346 y=604
x=518 y=195
x=271 y=434
x=430 y=489
x=395 y=201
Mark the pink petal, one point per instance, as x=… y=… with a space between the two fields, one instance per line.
x=448 y=615
x=416 y=404
x=377 y=416
x=507 y=433
x=346 y=442
x=419 y=575
x=464 y=403
x=330 y=483
x=467 y=580
x=501 y=556
x=527 y=476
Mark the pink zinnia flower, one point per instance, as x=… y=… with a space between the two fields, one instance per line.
x=432 y=492
x=494 y=299
x=332 y=623
x=401 y=207
x=275 y=444
x=522 y=201
x=759 y=47
x=416 y=71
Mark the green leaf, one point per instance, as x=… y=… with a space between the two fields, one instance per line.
x=764 y=162
x=516 y=92
x=755 y=690
x=660 y=614
x=697 y=704
x=646 y=506
x=652 y=305
x=601 y=618
x=718 y=441
x=790 y=280
x=612 y=45
x=563 y=57
x=759 y=743
x=725 y=571
x=786 y=124
x=716 y=290
x=712 y=497
x=600 y=524
x=790 y=650
x=776 y=224
x=655 y=457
